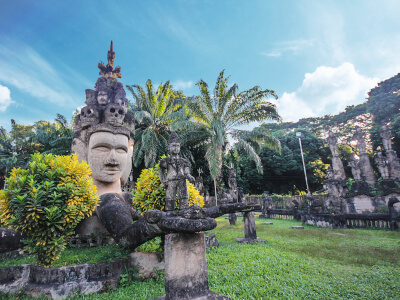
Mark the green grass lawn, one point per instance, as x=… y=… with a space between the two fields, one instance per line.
x=313 y=263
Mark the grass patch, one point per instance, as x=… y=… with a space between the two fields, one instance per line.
x=313 y=263
x=74 y=256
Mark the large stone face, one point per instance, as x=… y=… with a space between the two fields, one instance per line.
x=108 y=154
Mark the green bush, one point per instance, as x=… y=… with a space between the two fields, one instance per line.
x=149 y=193
x=47 y=201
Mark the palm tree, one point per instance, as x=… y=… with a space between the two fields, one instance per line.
x=154 y=112
x=212 y=118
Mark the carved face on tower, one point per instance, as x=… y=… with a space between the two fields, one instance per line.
x=109 y=156
x=102 y=98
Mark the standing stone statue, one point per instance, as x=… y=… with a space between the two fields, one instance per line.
x=383 y=165
x=367 y=172
x=333 y=143
x=337 y=164
x=355 y=169
x=232 y=183
x=177 y=172
x=267 y=204
x=359 y=136
x=386 y=136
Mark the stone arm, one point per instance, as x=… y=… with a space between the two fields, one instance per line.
x=188 y=176
x=116 y=216
x=161 y=175
x=217 y=211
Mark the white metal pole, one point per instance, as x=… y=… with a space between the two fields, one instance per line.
x=215 y=189
x=304 y=166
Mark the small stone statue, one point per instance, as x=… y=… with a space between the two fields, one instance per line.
x=360 y=137
x=333 y=143
x=267 y=203
x=329 y=172
x=355 y=168
x=386 y=136
x=177 y=172
x=383 y=165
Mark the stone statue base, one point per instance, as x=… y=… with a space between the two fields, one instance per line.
x=250 y=232
x=186 y=268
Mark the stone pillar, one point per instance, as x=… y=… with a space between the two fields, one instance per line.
x=186 y=268
x=394 y=164
x=367 y=172
x=250 y=231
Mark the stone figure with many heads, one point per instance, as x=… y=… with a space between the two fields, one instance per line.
x=103 y=136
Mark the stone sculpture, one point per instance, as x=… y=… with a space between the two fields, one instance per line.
x=266 y=204
x=332 y=143
x=367 y=172
x=383 y=165
x=337 y=164
x=386 y=136
x=104 y=137
x=359 y=136
x=355 y=169
x=174 y=182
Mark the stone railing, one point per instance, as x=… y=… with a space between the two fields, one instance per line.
x=371 y=221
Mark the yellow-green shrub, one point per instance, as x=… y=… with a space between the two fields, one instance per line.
x=46 y=202
x=150 y=195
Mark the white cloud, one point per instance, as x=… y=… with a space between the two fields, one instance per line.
x=293 y=47
x=5 y=98
x=26 y=70
x=325 y=91
x=182 y=85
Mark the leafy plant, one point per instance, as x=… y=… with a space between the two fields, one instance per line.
x=46 y=202
x=150 y=195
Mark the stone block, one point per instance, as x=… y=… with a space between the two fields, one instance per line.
x=186 y=268
x=146 y=263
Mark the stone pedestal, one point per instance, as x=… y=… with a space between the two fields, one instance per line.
x=250 y=231
x=338 y=169
x=366 y=169
x=394 y=164
x=186 y=268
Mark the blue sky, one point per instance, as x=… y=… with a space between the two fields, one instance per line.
x=319 y=56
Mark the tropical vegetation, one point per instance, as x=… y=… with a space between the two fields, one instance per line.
x=214 y=118
x=46 y=201
x=154 y=111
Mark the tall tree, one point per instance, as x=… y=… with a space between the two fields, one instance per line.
x=212 y=118
x=154 y=112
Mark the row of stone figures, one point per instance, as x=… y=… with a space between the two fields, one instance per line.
x=233 y=194
x=359 y=198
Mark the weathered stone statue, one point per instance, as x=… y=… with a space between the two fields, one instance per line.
x=337 y=164
x=393 y=214
x=332 y=143
x=359 y=136
x=383 y=165
x=104 y=137
x=386 y=136
x=178 y=171
x=266 y=204
x=355 y=169
x=367 y=172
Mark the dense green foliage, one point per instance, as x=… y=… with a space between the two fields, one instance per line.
x=314 y=263
x=214 y=117
x=17 y=146
x=154 y=112
x=46 y=201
